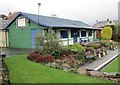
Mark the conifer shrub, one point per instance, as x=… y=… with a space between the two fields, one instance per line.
x=106 y=33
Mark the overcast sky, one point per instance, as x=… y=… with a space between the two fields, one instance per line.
x=87 y=11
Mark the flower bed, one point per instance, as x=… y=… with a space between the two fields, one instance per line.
x=40 y=58
x=70 y=58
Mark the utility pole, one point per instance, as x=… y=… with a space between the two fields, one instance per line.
x=39 y=4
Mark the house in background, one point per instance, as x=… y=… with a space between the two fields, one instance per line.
x=24 y=26
x=11 y=16
x=3 y=33
x=102 y=24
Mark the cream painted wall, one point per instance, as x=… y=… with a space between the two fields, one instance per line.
x=2 y=39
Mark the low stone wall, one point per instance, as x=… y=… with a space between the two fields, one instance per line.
x=60 y=64
x=100 y=52
x=97 y=53
x=5 y=74
x=103 y=75
x=114 y=46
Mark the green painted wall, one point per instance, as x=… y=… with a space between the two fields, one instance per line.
x=21 y=37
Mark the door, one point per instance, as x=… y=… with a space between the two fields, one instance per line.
x=33 y=33
x=75 y=37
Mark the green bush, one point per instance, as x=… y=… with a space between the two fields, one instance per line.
x=76 y=48
x=106 y=33
x=57 y=54
x=106 y=44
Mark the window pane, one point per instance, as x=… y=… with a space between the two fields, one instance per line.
x=83 y=33
x=74 y=32
x=90 y=33
x=63 y=34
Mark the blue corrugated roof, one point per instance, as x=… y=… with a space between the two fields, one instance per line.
x=52 y=21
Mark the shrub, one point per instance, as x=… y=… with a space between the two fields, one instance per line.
x=89 y=49
x=57 y=54
x=65 y=53
x=47 y=44
x=76 y=48
x=33 y=56
x=79 y=56
x=106 y=44
x=93 y=45
x=106 y=33
x=40 y=58
x=69 y=59
x=45 y=59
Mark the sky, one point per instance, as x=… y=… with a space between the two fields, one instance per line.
x=87 y=11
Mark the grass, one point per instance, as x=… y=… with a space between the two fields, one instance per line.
x=113 y=67
x=24 y=71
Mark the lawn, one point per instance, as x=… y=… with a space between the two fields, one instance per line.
x=24 y=71
x=113 y=66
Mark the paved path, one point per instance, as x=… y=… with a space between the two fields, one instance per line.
x=14 y=51
x=95 y=65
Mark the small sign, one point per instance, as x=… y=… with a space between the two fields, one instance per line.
x=21 y=22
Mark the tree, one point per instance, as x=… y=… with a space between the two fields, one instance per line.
x=114 y=29
x=47 y=43
x=119 y=31
x=106 y=33
x=115 y=34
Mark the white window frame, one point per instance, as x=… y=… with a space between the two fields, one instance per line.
x=21 y=22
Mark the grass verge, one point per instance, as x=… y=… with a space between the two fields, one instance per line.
x=113 y=66
x=24 y=71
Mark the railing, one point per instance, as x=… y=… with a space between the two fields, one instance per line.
x=79 y=40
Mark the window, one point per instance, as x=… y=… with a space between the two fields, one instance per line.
x=83 y=33
x=63 y=34
x=74 y=32
x=21 y=22
x=90 y=33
